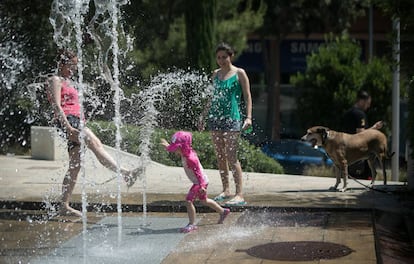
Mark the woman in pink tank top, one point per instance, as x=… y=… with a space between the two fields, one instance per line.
x=64 y=99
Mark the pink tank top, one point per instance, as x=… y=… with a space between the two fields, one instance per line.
x=69 y=100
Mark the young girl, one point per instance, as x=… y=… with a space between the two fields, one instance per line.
x=181 y=144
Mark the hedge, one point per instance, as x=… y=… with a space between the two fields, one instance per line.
x=251 y=157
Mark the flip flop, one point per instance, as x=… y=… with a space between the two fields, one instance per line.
x=235 y=203
x=221 y=198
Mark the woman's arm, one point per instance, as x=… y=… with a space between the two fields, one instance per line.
x=54 y=91
x=245 y=84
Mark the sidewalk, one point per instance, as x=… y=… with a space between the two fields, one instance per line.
x=25 y=179
x=280 y=209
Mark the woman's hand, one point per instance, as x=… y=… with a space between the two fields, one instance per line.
x=201 y=124
x=73 y=134
x=247 y=123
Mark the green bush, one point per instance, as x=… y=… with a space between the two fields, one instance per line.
x=250 y=156
x=333 y=76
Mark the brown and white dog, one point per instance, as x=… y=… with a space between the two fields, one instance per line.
x=345 y=149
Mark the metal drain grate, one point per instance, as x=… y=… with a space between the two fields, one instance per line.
x=298 y=251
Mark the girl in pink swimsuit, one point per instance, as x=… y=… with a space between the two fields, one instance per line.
x=181 y=144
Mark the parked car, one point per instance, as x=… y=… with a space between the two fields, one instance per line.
x=295 y=155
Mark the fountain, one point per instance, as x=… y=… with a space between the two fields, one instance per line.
x=126 y=239
x=99 y=63
x=66 y=19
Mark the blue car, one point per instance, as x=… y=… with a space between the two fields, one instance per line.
x=295 y=155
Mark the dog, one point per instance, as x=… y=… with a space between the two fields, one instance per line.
x=345 y=149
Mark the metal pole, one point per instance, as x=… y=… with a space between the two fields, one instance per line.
x=396 y=102
x=410 y=166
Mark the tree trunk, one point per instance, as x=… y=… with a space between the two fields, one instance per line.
x=200 y=21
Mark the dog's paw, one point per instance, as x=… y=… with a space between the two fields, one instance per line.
x=333 y=188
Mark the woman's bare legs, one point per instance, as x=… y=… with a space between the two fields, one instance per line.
x=69 y=182
x=218 y=141
x=226 y=146
x=231 y=145
x=95 y=144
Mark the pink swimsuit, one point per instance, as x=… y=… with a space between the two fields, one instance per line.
x=69 y=99
x=194 y=171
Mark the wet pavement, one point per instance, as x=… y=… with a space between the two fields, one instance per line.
x=287 y=219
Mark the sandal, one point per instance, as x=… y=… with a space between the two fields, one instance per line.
x=221 y=197
x=223 y=215
x=234 y=202
x=188 y=228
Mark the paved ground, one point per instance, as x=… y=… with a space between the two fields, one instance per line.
x=283 y=213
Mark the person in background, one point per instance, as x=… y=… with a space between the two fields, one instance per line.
x=355 y=121
x=226 y=121
x=64 y=99
x=181 y=143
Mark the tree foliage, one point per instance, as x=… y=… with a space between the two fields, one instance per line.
x=236 y=19
x=404 y=10
x=160 y=32
x=304 y=17
x=333 y=76
x=26 y=51
x=287 y=16
x=161 y=44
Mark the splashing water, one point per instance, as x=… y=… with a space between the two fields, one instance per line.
x=161 y=93
x=160 y=87
x=169 y=94
x=13 y=63
x=67 y=20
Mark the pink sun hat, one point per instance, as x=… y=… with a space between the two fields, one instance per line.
x=182 y=140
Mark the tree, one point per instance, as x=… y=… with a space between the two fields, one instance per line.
x=237 y=19
x=160 y=31
x=26 y=53
x=200 y=19
x=404 y=10
x=299 y=16
x=333 y=76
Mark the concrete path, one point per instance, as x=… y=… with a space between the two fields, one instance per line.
x=26 y=179
x=280 y=209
